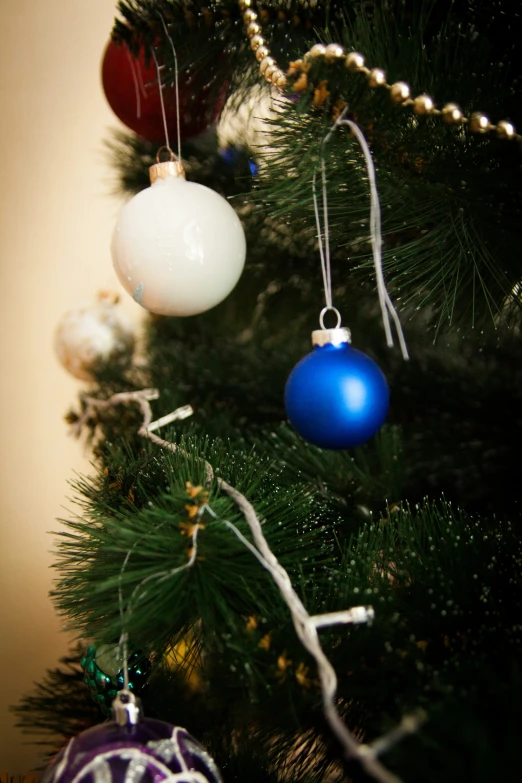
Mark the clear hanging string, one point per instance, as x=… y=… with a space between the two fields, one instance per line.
x=137 y=85
x=176 y=88
x=324 y=241
x=323 y=235
x=138 y=594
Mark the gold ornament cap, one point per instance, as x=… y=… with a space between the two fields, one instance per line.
x=163 y=169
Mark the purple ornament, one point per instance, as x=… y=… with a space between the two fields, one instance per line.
x=149 y=752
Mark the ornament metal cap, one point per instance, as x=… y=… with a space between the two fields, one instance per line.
x=126 y=709
x=336 y=336
x=163 y=169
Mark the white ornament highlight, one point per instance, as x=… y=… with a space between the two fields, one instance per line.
x=178 y=247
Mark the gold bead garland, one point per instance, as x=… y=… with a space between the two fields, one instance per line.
x=423 y=104
x=400 y=93
x=452 y=115
x=354 y=61
x=267 y=65
x=376 y=78
x=334 y=52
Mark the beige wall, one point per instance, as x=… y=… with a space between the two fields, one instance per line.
x=55 y=225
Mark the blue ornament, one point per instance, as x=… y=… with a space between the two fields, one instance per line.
x=336 y=397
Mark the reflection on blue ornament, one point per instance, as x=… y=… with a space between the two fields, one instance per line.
x=230 y=155
x=336 y=397
x=233 y=156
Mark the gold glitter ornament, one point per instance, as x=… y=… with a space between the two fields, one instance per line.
x=338 y=109
x=321 y=94
x=295 y=67
x=301 y=84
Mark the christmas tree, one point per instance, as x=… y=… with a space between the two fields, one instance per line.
x=341 y=606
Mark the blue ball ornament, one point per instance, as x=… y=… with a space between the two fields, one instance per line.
x=336 y=397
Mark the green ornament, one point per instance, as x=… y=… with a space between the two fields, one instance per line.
x=103 y=674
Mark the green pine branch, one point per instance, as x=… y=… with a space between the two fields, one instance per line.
x=443 y=587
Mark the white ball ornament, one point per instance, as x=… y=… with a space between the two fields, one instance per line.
x=91 y=337
x=178 y=247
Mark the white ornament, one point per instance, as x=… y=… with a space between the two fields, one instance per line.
x=91 y=337
x=178 y=247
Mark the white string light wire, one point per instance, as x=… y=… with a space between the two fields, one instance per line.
x=323 y=234
x=306 y=625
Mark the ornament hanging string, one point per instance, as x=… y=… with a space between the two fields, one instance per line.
x=177 y=415
x=160 y=87
x=137 y=82
x=176 y=87
x=323 y=235
x=176 y=84
x=137 y=593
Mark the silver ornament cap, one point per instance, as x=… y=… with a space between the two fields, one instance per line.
x=336 y=336
x=126 y=709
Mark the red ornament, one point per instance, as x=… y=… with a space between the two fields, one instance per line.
x=131 y=88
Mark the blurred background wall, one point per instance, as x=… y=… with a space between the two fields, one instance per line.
x=56 y=219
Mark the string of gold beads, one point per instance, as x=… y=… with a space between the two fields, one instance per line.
x=400 y=93
x=267 y=65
